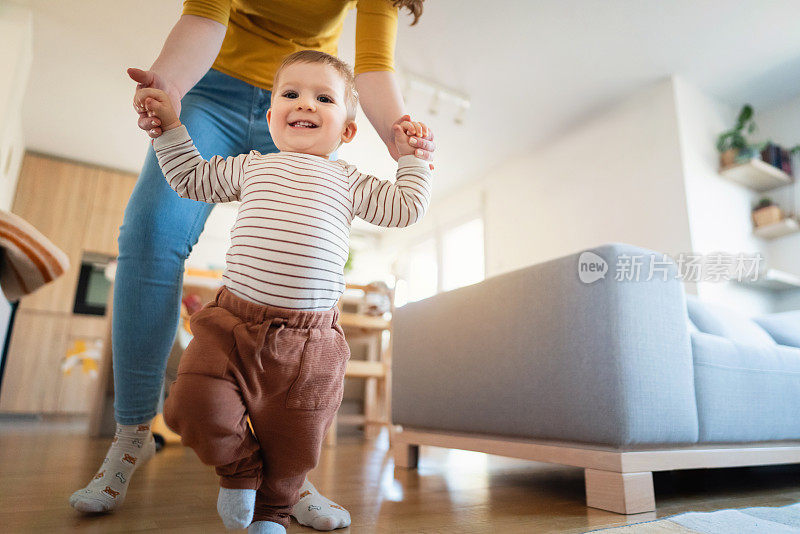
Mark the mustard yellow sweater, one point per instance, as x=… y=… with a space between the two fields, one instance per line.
x=262 y=32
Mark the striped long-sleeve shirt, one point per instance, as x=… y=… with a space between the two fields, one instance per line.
x=292 y=232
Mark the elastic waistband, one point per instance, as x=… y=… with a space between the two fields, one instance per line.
x=252 y=312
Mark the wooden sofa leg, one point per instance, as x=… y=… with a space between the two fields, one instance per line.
x=623 y=493
x=405 y=455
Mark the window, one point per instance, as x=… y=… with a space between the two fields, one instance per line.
x=421 y=278
x=452 y=258
x=462 y=255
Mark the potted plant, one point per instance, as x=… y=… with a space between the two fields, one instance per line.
x=732 y=144
x=766 y=212
x=348 y=265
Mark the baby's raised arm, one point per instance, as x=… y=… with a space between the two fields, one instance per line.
x=217 y=180
x=191 y=176
x=405 y=201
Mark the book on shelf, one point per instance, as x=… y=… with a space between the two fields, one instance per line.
x=778 y=157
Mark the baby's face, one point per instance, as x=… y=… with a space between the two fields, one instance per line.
x=308 y=112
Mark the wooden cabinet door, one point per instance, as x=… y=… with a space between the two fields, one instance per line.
x=52 y=364
x=32 y=376
x=108 y=209
x=56 y=197
x=80 y=365
x=51 y=361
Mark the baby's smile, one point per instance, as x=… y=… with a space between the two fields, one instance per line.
x=302 y=124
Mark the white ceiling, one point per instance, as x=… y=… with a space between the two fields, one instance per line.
x=531 y=68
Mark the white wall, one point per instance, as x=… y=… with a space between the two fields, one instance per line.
x=16 y=52
x=616 y=177
x=719 y=209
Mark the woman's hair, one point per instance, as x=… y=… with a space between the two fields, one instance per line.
x=414 y=7
x=344 y=70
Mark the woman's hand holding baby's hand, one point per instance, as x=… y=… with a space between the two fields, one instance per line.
x=413 y=138
x=149 y=80
x=156 y=105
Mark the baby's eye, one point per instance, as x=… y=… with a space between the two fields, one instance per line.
x=290 y=94
x=325 y=98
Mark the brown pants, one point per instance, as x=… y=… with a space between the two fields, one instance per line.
x=282 y=368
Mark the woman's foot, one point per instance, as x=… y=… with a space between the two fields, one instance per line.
x=132 y=446
x=317 y=511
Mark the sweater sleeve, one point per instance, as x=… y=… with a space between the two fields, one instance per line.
x=218 y=10
x=388 y=204
x=216 y=180
x=376 y=33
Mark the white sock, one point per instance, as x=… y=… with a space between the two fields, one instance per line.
x=236 y=506
x=317 y=511
x=132 y=446
x=265 y=527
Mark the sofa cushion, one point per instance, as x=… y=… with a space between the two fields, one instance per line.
x=783 y=327
x=745 y=392
x=722 y=321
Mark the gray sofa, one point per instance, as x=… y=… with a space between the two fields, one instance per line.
x=543 y=361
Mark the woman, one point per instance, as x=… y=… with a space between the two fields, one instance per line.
x=218 y=63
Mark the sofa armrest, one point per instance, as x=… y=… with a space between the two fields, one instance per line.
x=537 y=353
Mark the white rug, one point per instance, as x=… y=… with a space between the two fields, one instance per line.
x=761 y=520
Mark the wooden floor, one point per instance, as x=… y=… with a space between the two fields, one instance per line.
x=452 y=491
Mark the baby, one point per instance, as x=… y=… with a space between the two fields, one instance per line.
x=269 y=348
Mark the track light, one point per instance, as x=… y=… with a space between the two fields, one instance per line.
x=439 y=95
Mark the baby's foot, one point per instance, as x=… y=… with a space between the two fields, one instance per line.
x=265 y=527
x=236 y=506
x=317 y=511
x=132 y=446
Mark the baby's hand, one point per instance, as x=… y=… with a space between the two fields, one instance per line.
x=156 y=103
x=406 y=131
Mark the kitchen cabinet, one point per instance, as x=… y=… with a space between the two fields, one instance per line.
x=53 y=353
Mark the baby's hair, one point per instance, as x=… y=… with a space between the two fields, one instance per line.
x=413 y=6
x=344 y=70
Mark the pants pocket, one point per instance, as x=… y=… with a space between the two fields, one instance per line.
x=320 y=381
x=209 y=350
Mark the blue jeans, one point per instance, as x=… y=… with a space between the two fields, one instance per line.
x=225 y=117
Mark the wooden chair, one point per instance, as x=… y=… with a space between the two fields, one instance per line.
x=376 y=370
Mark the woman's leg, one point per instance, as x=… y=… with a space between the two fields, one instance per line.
x=156 y=237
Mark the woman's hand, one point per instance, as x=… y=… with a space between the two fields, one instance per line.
x=420 y=137
x=380 y=98
x=147 y=79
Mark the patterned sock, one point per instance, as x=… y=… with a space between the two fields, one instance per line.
x=317 y=511
x=265 y=527
x=132 y=446
x=236 y=506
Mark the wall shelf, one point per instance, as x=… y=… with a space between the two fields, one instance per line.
x=774 y=280
x=773 y=231
x=757 y=175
